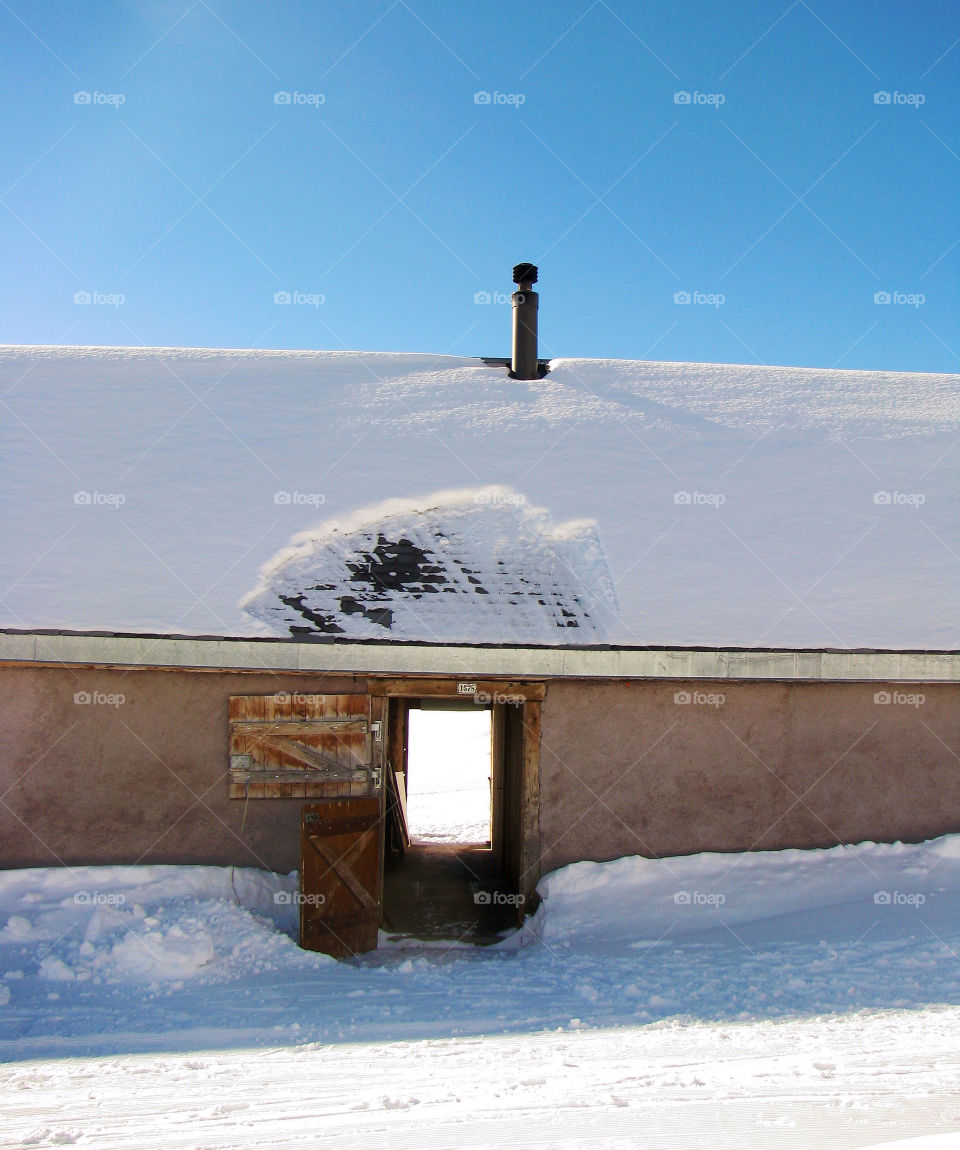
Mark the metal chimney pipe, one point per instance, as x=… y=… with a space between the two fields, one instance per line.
x=526 y=303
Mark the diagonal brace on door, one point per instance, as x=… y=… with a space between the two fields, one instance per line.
x=342 y=869
x=312 y=756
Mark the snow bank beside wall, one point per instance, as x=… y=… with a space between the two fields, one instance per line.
x=640 y=902
x=150 y=924
x=157 y=924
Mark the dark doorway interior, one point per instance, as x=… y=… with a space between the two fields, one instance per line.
x=446 y=891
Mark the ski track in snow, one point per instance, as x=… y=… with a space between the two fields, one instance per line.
x=691 y=1086
x=816 y=1003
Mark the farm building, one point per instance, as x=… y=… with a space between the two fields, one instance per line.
x=706 y=607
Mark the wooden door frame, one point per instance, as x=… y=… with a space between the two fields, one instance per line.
x=529 y=695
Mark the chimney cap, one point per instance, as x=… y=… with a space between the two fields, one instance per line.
x=525 y=274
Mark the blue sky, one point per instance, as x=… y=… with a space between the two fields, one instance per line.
x=761 y=182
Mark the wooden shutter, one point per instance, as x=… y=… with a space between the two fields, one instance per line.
x=298 y=745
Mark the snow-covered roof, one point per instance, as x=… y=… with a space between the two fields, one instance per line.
x=626 y=502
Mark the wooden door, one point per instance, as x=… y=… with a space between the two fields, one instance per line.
x=341 y=876
x=328 y=749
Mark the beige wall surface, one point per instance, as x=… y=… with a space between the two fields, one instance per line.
x=663 y=768
x=641 y=767
x=137 y=774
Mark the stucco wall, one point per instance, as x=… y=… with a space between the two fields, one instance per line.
x=626 y=769
x=142 y=781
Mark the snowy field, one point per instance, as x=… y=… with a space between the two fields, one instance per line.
x=447 y=805
x=785 y=999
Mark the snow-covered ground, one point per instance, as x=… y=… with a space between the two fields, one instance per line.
x=786 y=999
x=735 y=505
x=448 y=796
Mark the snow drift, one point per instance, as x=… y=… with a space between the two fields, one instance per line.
x=637 y=901
x=896 y=906
x=150 y=925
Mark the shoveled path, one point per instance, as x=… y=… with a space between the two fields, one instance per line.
x=447 y=891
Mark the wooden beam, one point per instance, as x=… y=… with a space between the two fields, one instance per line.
x=309 y=756
x=497 y=690
x=530 y=807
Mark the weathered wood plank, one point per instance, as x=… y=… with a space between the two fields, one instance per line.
x=277 y=789
x=300 y=775
x=414 y=688
x=300 y=726
x=302 y=752
x=316 y=790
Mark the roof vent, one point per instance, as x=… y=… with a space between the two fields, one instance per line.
x=526 y=303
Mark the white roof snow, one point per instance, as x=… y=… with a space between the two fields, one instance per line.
x=452 y=568
x=659 y=503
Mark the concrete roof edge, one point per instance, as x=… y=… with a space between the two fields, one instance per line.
x=272 y=655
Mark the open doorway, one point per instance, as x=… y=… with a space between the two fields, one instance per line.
x=444 y=877
x=449 y=773
x=348 y=755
